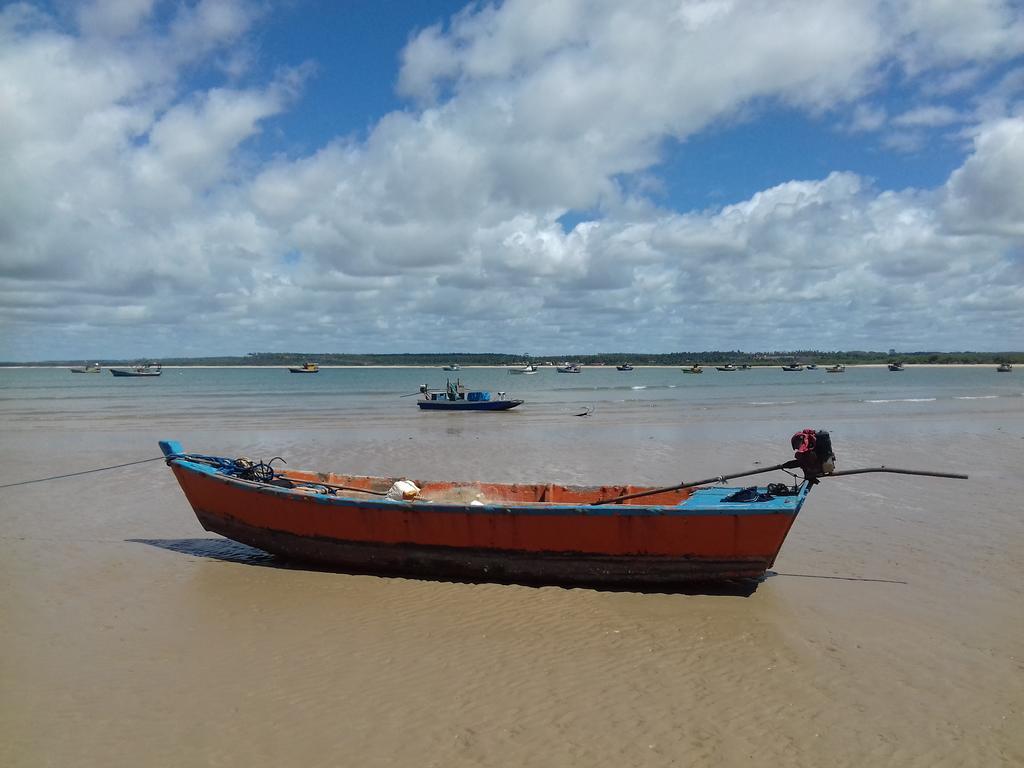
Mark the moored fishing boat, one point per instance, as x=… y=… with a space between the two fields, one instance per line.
x=452 y=367
x=608 y=534
x=793 y=367
x=456 y=397
x=87 y=368
x=568 y=368
x=494 y=531
x=837 y=368
x=138 y=371
x=305 y=368
x=896 y=366
x=726 y=368
x=1004 y=368
x=624 y=367
x=695 y=368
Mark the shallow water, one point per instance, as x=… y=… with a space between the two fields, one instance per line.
x=258 y=396
x=888 y=633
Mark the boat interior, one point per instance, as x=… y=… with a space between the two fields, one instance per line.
x=487 y=493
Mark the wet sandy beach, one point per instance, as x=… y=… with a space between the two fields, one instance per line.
x=889 y=632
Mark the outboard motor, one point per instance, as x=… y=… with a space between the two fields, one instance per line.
x=813 y=453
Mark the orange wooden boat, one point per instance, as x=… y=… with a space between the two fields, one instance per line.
x=531 y=533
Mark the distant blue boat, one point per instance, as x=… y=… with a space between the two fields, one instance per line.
x=149 y=369
x=455 y=397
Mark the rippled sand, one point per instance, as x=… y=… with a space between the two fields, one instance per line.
x=890 y=632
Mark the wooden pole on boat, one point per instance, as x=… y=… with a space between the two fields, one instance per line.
x=786 y=465
x=893 y=470
x=791 y=464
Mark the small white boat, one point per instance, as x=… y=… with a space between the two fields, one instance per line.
x=526 y=369
x=87 y=368
x=568 y=368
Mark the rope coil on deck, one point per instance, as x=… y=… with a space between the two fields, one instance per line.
x=243 y=468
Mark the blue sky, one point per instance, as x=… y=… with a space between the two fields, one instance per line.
x=354 y=47
x=558 y=176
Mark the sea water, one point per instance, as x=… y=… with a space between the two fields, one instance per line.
x=42 y=396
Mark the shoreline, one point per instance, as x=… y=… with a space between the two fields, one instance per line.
x=636 y=366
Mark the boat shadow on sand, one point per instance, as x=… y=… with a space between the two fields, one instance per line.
x=242 y=554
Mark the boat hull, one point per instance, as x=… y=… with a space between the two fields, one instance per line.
x=499 y=565
x=133 y=374
x=468 y=405
x=700 y=539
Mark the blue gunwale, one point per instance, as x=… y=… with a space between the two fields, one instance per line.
x=704 y=501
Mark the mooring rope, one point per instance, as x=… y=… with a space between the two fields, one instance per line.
x=83 y=472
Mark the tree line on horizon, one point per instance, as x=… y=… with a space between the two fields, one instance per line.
x=853 y=357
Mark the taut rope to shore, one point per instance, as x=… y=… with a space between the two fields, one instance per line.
x=83 y=472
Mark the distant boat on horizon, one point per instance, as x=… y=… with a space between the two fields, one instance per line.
x=896 y=366
x=87 y=368
x=138 y=371
x=624 y=367
x=793 y=367
x=526 y=369
x=306 y=368
x=1004 y=368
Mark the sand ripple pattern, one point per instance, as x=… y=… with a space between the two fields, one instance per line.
x=890 y=636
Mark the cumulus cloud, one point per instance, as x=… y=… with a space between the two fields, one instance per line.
x=132 y=209
x=986 y=194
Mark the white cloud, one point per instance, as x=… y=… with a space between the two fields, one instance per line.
x=927 y=117
x=986 y=194
x=128 y=201
x=867 y=117
x=113 y=18
x=945 y=33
